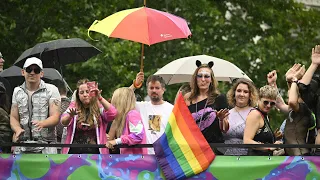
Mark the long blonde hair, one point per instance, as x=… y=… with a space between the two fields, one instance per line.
x=123 y=100
x=94 y=110
x=213 y=91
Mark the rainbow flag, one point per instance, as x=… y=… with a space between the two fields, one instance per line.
x=182 y=151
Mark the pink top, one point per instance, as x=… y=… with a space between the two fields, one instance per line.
x=105 y=117
x=133 y=133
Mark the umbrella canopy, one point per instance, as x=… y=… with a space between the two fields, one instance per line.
x=144 y=25
x=13 y=75
x=181 y=70
x=57 y=53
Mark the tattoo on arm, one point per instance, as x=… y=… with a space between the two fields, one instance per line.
x=56 y=102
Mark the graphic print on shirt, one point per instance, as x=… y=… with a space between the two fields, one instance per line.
x=154 y=123
x=204 y=117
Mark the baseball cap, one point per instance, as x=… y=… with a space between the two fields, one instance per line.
x=33 y=60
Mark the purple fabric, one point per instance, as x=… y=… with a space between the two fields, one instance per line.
x=208 y=116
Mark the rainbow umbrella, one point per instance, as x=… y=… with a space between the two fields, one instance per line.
x=145 y=25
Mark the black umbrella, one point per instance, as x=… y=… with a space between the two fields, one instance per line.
x=13 y=75
x=55 y=54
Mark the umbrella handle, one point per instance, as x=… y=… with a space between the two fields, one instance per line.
x=141 y=59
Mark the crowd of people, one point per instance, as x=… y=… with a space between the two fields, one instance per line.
x=42 y=113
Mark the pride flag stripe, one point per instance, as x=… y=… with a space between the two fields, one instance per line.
x=196 y=148
x=177 y=152
x=165 y=155
x=184 y=146
x=182 y=151
x=194 y=130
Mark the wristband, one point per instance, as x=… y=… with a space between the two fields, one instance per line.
x=137 y=86
x=100 y=98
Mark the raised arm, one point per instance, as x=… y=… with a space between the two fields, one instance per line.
x=109 y=112
x=293 y=96
x=297 y=74
x=272 y=81
x=315 y=57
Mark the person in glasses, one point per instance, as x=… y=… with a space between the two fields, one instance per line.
x=258 y=129
x=243 y=97
x=35 y=110
x=298 y=127
x=86 y=119
x=208 y=107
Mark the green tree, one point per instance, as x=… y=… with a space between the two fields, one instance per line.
x=257 y=36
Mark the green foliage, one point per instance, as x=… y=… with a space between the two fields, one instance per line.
x=224 y=29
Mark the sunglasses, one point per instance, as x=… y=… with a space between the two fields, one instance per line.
x=36 y=70
x=206 y=76
x=269 y=102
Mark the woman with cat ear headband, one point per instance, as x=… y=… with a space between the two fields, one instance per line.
x=208 y=107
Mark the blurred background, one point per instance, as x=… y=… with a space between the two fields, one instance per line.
x=256 y=35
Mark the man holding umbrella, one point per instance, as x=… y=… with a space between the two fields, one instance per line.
x=154 y=113
x=35 y=109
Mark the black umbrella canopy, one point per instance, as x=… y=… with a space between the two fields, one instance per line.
x=57 y=53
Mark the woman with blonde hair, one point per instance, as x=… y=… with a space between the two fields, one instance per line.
x=207 y=106
x=86 y=119
x=127 y=128
x=243 y=97
x=258 y=129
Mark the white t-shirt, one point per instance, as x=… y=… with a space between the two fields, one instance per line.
x=155 y=119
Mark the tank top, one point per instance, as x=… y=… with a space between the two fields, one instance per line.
x=264 y=135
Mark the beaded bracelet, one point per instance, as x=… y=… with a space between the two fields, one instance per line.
x=135 y=84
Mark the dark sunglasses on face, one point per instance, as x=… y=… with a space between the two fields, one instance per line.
x=269 y=102
x=36 y=70
x=206 y=76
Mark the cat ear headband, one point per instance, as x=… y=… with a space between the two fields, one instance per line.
x=210 y=64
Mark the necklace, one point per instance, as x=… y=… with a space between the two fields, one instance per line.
x=202 y=113
x=239 y=112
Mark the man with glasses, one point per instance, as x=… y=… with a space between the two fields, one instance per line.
x=35 y=110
